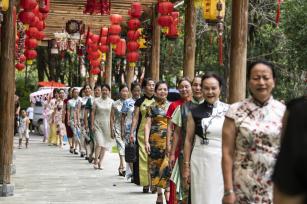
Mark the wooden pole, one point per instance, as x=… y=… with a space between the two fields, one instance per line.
x=7 y=87
x=109 y=68
x=130 y=75
x=155 y=50
x=189 y=40
x=239 y=31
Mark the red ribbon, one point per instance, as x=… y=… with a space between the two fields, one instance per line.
x=278 y=12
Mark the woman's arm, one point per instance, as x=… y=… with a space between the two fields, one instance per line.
x=174 y=145
x=122 y=124
x=112 y=122
x=190 y=134
x=169 y=135
x=135 y=121
x=63 y=112
x=228 y=148
x=147 y=133
x=93 y=117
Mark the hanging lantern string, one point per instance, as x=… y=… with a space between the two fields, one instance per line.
x=277 y=19
x=220 y=28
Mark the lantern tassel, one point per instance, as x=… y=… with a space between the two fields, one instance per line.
x=277 y=19
x=221 y=49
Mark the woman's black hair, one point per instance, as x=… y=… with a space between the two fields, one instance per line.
x=253 y=64
x=183 y=79
x=81 y=92
x=134 y=84
x=122 y=86
x=195 y=78
x=159 y=83
x=87 y=85
x=212 y=75
x=105 y=86
x=146 y=81
x=97 y=86
x=56 y=90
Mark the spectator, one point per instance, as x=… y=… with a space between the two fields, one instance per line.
x=30 y=115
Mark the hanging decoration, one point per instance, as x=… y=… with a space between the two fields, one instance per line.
x=134 y=34
x=277 y=18
x=115 y=29
x=165 y=8
x=4 y=5
x=102 y=7
x=172 y=31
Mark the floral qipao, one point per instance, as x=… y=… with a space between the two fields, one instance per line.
x=257 y=145
x=158 y=160
x=58 y=118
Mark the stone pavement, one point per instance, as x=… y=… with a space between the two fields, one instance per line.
x=50 y=175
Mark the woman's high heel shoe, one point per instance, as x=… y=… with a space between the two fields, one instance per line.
x=121 y=172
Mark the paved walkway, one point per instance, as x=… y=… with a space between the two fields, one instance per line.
x=47 y=174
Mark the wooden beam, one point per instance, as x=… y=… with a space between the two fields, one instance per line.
x=7 y=87
x=155 y=49
x=189 y=40
x=239 y=31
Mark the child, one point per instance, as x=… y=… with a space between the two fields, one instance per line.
x=24 y=122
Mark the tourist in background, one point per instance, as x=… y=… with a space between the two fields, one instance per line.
x=101 y=127
x=116 y=129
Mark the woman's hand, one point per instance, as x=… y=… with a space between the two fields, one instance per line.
x=172 y=160
x=147 y=147
x=186 y=177
x=229 y=199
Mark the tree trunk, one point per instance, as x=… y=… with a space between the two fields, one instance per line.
x=237 y=80
x=189 y=40
x=7 y=87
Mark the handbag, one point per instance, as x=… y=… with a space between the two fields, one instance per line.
x=130 y=153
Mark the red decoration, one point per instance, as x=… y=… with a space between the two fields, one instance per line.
x=114 y=39
x=94 y=38
x=44 y=6
x=30 y=54
x=95 y=63
x=22 y=58
x=173 y=30
x=116 y=18
x=120 y=49
x=104 y=31
x=165 y=7
x=136 y=10
x=103 y=40
x=115 y=29
x=31 y=43
x=40 y=35
x=20 y=66
x=132 y=46
x=97 y=6
x=165 y=21
x=95 y=71
x=28 y=5
x=40 y=25
x=278 y=12
x=133 y=35
x=32 y=32
x=26 y=17
x=134 y=24
x=132 y=56
x=104 y=48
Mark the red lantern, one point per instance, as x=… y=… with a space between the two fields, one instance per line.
x=173 y=30
x=95 y=63
x=165 y=21
x=114 y=39
x=136 y=10
x=132 y=56
x=103 y=40
x=44 y=6
x=34 y=21
x=40 y=35
x=20 y=66
x=31 y=43
x=28 y=5
x=95 y=71
x=134 y=24
x=22 y=58
x=30 y=54
x=104 y=31
x=116 y=18
x=104 y=48
x=133 y=35
x=32 y=32
x=133 y=46
x=44 y=16
x=93 y=55
x=120 y=49
x=115 y=29
x=40 y=25
x=26 y=17
x=94 y=38
x=165 y=7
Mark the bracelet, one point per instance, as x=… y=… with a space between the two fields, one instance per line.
x=228 y=192
x=186 y=163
